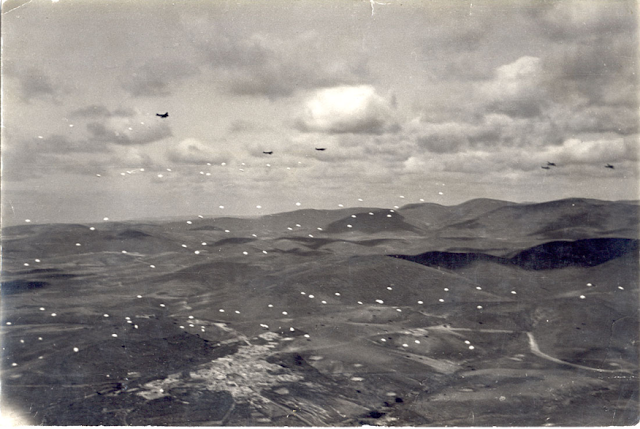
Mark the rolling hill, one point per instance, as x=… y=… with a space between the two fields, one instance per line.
x=547 y=256
x=488 y=313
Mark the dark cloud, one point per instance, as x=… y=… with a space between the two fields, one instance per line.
x=466 y=36
x=492 y=132
x=601 y=71
x=563 y=21
x=443 y=138
x=453 y=49
x=571 y=91
x=603 y=119
x=272 y=67
x=156 y=78
x=465 y=41
x=33 y=158
x=92 y=111
x=590 y=50
x=21 y=165
x=34 y=84
x=149 y=84
x=466 y=67
x=100 y=131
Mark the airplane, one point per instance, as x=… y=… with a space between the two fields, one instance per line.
x=321 y=148
x=551 y=164
x=164 y=115
x=609 y=166
x=268 y=153
x=546 y=168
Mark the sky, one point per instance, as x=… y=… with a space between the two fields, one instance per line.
x=430 y=100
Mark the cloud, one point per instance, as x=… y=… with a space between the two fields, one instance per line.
x=529 y=104
x=193 y=151
x=56 y=143
x=33 y=84
x=573 y=157
x=571 y=19
x=515 y=88
x=453 y=47
x=260 y=65
x=576 y=151
x=602 y=72
x=32 y=158
x=100 y=111
x=36 y=84
x=246 y=126
x=156 y=77
x=442 y=137
x=129 y=128
x=621 y=120
x=347 y=109
x=492 y=132
x=93 y=111
x=591 y=50
x=131 y=157
x=468 y=35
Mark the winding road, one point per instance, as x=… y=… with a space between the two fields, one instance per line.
x=533 y=344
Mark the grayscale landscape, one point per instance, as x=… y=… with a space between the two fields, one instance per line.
x=320 y=213
x=511 y=314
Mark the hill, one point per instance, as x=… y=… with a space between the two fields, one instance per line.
x=432 y=216
x=564 y=219
x=551 y=255
x=297 y=319
x=372 y=222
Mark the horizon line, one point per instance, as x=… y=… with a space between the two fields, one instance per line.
x=29 y=222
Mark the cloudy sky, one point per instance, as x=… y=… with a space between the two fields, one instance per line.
x=441 y=101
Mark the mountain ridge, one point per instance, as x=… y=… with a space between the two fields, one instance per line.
x=347 y=210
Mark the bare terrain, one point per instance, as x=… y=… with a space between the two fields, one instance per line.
x=486 y=313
